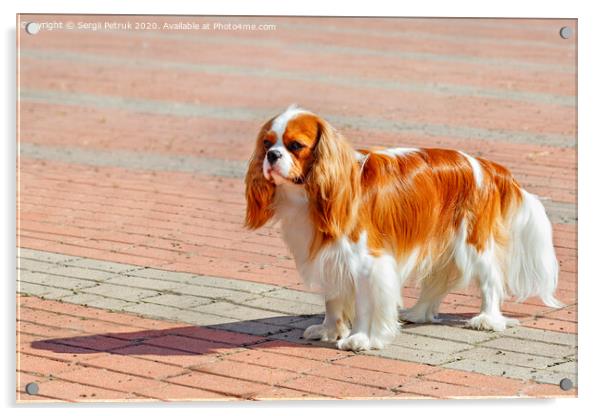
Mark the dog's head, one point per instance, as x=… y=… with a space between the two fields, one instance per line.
x=299 y=148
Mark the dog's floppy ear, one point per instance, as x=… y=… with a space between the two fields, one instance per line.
x=259 y=191
x=332 y=184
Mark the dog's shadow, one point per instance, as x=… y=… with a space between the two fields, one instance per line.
x=275 y=332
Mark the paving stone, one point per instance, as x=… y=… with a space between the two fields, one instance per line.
x=297 y=296
x=181 y=315
x=448 y=332
x=240 y=312
x=32 y=288
x=296 y=336
x=35 y=265
x=103 y=265
x=551 y=377
x=130 y=294
x=42 y=291
x=46 y=256
x=240 y=285
x=286 y=306
x=178 y=301
x=491 y=368
x=419 y=342
x=407 y=354
x=506 y=357
x=303 y=323
x=81 y=273
x=159 y=274
x=258 y=328
x=541 y=335
x=141 y=282
x=215 y=293
x=57 y=281
x=88 y=299
x=55 y=293
x=529 y=347
x=566 y=367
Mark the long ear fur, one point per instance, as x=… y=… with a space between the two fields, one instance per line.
x=332 y=185
x=259 y=191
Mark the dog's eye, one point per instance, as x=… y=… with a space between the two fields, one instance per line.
x=267 y=144
x=294 y=146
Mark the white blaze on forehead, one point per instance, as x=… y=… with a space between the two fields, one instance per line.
x=477 y=170
x=282 y=167
x=397 y=151
x=279 y=124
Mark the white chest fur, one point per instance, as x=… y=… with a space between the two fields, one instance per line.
x=337 y=265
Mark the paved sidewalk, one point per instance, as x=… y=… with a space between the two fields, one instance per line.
x=136 y=279
x=256 y=316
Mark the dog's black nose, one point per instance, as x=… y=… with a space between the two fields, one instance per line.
x=273 y=156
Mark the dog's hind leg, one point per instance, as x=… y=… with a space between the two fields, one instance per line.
x=491 y=281
x=433 y=289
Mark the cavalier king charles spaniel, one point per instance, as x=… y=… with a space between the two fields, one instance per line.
x=362 y=223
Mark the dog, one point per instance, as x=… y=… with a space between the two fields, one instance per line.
x=362 y=223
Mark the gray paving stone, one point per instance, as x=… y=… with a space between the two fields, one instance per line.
x=419 y=342
x=142 y=282
x=491 y=368
x=239 y=285
x=284 y=321
x=297 y=296
x=214 y=293
x=129 y=294
x=56 y=281
x=178 y=301
x=550 y=377
x=81 y=273
x=529 y=347
x=285 y=306
x=452 y=333
x=88 y=299
x=35 y=265
x=55 y=293
x=171 y=313
x=402 y=353
x=47 y=256
x=32 y=288
x=42 y=291
x=296 y=336
x=506 y=357
x=541 y=335
x=566 y=367
x=103 y=265
x=240 y=312
x=159 y=274
x=253 y=328
x=303 y=323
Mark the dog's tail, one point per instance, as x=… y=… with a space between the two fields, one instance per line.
x=532 y=265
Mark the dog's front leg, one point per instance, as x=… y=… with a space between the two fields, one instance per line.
x=334 y=325
x=360 y=335
x=376 y=301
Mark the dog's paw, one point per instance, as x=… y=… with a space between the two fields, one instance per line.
x=355 y=342
x=418 y=317
x=325 y=333
x=486 y=322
